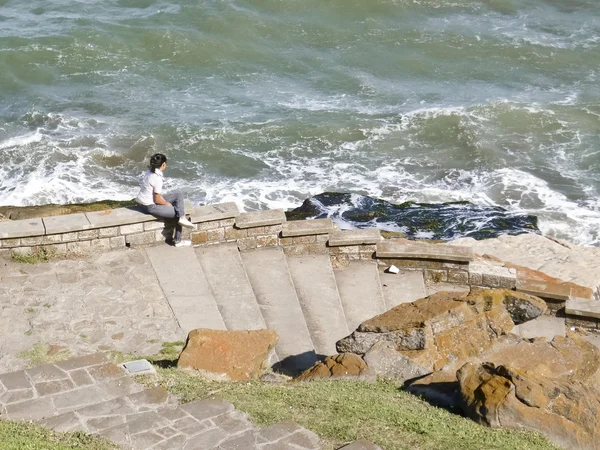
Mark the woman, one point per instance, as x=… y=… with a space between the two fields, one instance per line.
x=168 y=206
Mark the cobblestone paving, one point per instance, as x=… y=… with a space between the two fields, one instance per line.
x=109 y=301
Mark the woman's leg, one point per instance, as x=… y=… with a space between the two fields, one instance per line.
x=166 y=212
x=176 y=199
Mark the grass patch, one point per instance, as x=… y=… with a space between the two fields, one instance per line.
x=39 y=255
x=22 y=435
x=38 y=354
x=343 y=411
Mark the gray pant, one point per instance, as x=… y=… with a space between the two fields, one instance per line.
x=173 y=211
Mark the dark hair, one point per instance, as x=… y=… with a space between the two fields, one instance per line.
x=156 y=161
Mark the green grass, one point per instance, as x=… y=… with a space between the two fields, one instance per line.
x=343 y=411
x=38 y=354
x=26 y=436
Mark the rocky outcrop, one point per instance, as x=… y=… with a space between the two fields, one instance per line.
x=345 y=366
x=565 y=411
x=570 y=358
x=230 y=355
x=415 y=339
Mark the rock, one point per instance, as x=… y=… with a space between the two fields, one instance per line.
x=439 y=330
x=571 y=358
x=566 y=412
x=345 y=366
x=234 y=355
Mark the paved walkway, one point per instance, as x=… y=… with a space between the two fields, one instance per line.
x=109 y=301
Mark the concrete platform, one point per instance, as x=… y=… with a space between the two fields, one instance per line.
x=260 y=218
x=320 y=301
x=360 y=292
x=275 y=293
x=185 y=286
x=367 y=236
x=307 y=227
x=218 y=211
x=543 y=326
x=231 y=289
x=424 y=250
x=12 y=229
x=404 y=287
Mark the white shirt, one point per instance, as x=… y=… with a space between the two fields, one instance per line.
x=152 y=183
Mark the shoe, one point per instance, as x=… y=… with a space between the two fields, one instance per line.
x=183 y=244
x=186 y=223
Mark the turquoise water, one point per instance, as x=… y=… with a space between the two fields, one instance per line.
x=267 y=102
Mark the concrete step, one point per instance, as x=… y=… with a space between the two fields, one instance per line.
x=53 y=389
x=404 y=287
x=184 y=284
x=360 y=292
x=229 y=284
x=275 y=293
x=320 y=301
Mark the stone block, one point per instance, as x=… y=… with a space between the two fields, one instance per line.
x=15 y=380
x=52 y=239
x=348 y=250
x=273 y=229
x=424 y=250
x=100 y=244
x=235 y=233
x=35 y=409
x=53 y=387
x=108 y=232
x=94 y=359
x=218 y=211
x=87 y=235
x=255 y=231
x=354 y=237
x=435 y=276
x=133 y=228
x=248 y=243
x=307 y=227
x=260 y=218
x=226 y=223
x=32 y=241
x=581 y=322
x=216 y=235
x=80 y=247
x=10 y=243
x=494 y=276
x=66 y=224
x=297 y=240
x=59 y=249
x=458 y=277
x=21 y=228
x=361 y=444
x=210 y=225
x=475 y=279
x=305 y=249
x=145 y=238
x=70 y=237
x=117 y=242
x=151 y=226
x=266 y=241
x=22 y=250
x=199 y=237
x=117 y=217
x=583 y=307
x=207 y=409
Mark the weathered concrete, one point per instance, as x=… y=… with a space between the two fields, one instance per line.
x=272 y=284
x=66 y=224
x=544 y=326
x=320 y=301
x=260 y=218
x=185 y=287
x=307 y=227
x=404 y=287
x=360 y=292
x=217 y=211
x=11 y=229
x=583 y=307
x=424 y=250
x=354 y=237
x=231 y=289
x=116 y=217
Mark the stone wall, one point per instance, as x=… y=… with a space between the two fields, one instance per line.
x=440 y=263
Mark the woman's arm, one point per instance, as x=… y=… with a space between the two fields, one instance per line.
x=159 y=200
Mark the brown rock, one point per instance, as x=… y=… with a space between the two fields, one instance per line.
x=238 y=355
x=439 y=330
x=345 y=365
x=567 y=412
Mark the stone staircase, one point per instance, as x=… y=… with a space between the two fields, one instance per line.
x=92 y=395
x=303 y=298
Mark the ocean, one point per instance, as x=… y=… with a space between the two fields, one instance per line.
x=268 y=102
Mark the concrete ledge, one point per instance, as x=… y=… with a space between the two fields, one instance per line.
x=115 y=217
x=307 y=227
x=423 y=250
x=354 y=237
x=544 y=289
x=21 y=228
x=66 y=224
x=217 y=211
x=583 y=307
x=260 y=218
x=492 y=276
